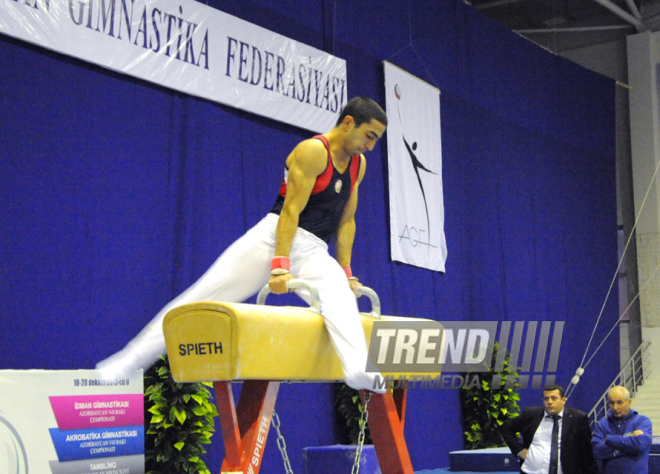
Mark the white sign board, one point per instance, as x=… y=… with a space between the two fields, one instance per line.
x=190 y=47
x=71 y=422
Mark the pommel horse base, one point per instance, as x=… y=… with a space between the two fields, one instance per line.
x=225 y=342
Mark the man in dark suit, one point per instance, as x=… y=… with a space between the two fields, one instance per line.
x=569 y=453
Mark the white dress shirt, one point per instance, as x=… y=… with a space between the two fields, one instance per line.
x=537 y=460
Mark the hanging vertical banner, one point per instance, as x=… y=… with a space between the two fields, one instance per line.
x=414 y=148
x=193 y=48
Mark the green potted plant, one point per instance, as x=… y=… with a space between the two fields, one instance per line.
x=485 y=407
x=349 y=412
x=178 y=422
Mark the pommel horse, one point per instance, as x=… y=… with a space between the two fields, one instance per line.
x=263 y=346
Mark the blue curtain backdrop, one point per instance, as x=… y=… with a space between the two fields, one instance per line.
x=117 y=194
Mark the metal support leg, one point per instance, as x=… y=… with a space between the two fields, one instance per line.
x=245 y=429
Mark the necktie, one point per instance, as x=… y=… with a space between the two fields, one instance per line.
x=554 y=445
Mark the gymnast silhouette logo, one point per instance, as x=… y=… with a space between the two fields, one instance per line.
x=417 y=166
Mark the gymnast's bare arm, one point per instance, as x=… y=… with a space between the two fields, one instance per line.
x=346 y=231
x=306 y=162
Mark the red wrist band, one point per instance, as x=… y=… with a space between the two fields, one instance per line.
x=280 y=262
x=347 y=271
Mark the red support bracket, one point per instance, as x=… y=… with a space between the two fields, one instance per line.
x=386 y=417
x=245 y=429
x=400 y=396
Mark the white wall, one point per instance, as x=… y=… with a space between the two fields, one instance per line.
x=643 y=60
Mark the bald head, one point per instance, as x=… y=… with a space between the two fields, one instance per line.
x=619 y=401
x=620 y=390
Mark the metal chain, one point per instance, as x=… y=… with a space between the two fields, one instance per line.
x=281 y=443
x=363 y=426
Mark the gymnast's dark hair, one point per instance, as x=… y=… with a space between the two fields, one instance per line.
x=363 y=110
x=551 y=387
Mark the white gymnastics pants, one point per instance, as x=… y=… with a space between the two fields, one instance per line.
x=240 y=272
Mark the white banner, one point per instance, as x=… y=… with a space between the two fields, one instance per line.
x=414 y=151
x=192 y=48
x=71 y=422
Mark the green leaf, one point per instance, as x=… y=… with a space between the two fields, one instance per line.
x=179 y=445
x=156 y=419
x=199 y=411
x=179 y=415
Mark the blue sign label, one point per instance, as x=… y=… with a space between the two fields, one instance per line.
x=72 y=445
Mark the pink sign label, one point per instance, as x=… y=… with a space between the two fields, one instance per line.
x=97 y=411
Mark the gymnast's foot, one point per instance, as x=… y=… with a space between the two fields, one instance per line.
x=367 y=381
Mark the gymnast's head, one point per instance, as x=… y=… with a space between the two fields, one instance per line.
x=363 y=110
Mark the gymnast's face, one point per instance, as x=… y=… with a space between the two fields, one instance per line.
x=553 y=402
x=363 y=138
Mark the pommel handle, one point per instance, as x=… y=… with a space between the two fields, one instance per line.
x=295 y=284
x=373 y=297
